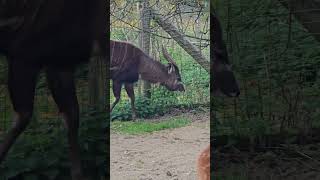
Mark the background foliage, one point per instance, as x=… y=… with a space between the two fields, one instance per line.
x=191 y=19
x=277 y=64
x=42 y=153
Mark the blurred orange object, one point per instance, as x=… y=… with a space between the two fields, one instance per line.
x=203 y=166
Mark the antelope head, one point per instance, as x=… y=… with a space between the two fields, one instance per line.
x=173 y=83
x=224 y=81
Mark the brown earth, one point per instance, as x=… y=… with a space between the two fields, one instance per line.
x=163 y=155
x=292 y=162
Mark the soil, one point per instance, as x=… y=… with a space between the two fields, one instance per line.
x=164 y=155
x=283 y=162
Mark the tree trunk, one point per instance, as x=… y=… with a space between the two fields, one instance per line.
x=145 y=39
x=97 y=82
x=307 y=12
x=182 y=41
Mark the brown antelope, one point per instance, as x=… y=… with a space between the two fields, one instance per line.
x=128 y=62
x=55 y=35
x=224 y=82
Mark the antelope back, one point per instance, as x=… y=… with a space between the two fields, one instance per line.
x=124 y=61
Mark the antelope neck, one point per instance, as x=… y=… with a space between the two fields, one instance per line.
x=152 y=71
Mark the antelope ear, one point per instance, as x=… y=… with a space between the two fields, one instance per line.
x=170 y=68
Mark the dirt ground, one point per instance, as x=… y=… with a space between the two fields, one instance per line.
x=297 y=162
x=163 y=155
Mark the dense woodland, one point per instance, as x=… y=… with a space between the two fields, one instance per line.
x=33 y=156
x=277 y=64
x=275 y=55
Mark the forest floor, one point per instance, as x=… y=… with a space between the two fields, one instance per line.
x=169 y=154
x=293 y=162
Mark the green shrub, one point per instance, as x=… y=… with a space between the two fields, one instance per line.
x=44 y=155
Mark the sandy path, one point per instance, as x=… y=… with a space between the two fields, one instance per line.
x=167 y=154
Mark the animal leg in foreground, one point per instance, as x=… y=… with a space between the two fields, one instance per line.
x=21 y=85
x=62 y=86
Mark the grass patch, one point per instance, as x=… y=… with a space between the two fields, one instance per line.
x=142 y=127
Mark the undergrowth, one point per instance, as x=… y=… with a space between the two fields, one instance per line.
x=43 y=155
x=161 y=102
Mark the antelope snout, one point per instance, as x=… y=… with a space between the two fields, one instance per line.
x=181 y=87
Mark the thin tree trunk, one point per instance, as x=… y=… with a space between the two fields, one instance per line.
x=182 y=40
x=145 y=39
x=97 y=82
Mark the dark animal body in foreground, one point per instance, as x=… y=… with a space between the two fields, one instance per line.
x=129 y=62
x=55 y=35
